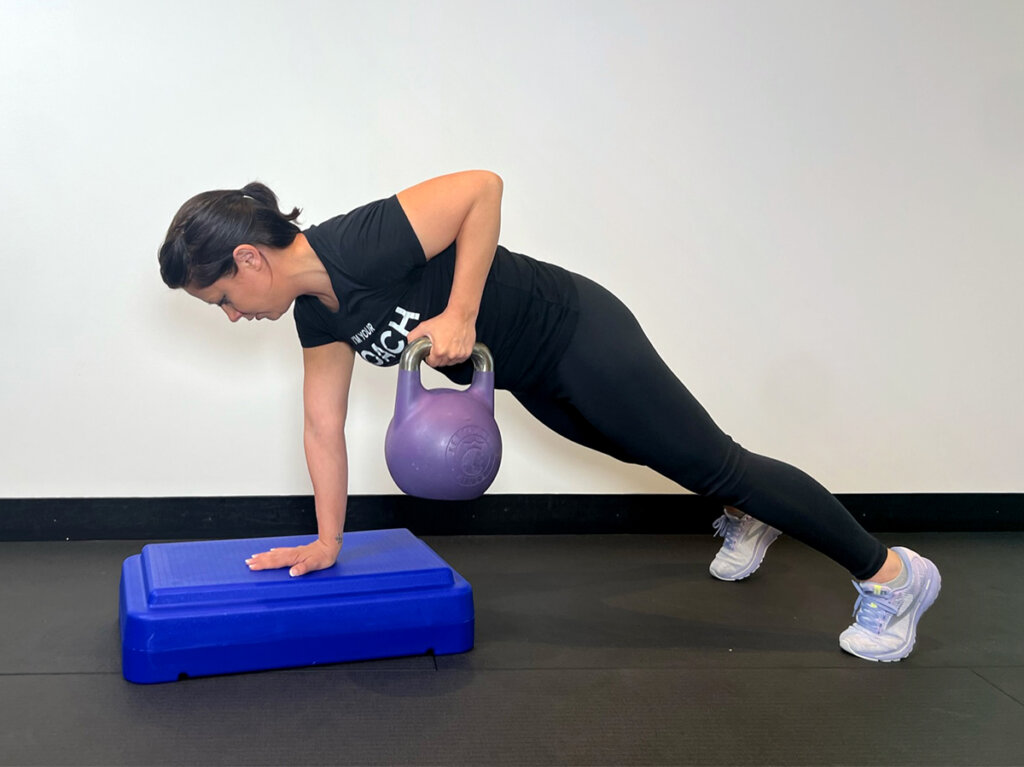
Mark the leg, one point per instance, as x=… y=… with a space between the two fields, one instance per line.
x=637 y=403
x=561 y=417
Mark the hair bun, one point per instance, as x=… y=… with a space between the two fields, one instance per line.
x=207 y=228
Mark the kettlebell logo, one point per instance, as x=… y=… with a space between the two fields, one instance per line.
x=470 y=457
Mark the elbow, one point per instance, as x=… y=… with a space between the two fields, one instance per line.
x=491 y=181
x=493 y=189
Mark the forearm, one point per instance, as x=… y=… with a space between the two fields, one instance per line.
x=327 y=460
x=475 y=245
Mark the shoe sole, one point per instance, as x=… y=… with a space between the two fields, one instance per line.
x=761 y=550
x=930 y=595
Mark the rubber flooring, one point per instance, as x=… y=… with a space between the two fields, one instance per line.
x=590 y=650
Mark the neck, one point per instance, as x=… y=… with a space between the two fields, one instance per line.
x=306 y=273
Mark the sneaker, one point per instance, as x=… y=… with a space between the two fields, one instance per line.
x=746 y=541
x=886 y=626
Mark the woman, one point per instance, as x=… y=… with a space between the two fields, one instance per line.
x=426 y=262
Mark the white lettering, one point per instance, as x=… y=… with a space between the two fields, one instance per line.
x=383 y=342
x=406 y=316
x=383 y=355
x=382 y=352
x=363 y=334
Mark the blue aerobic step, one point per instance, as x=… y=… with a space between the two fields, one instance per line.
x=195 y=609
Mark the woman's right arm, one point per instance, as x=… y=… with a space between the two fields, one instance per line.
x=326 y=379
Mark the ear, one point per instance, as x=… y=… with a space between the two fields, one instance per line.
x=248 y=256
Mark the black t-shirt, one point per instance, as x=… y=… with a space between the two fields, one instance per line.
x=386 y=287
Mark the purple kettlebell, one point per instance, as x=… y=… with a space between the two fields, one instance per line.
x=443 y=443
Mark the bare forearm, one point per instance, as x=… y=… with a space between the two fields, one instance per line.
x=474 y=252
x=327 y=460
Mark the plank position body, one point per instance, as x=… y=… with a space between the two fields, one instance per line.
x=426 y=262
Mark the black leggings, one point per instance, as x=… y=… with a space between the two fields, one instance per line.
x=612 y=392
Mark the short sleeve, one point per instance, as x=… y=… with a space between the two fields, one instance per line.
x=375 y=243
x=310 y=325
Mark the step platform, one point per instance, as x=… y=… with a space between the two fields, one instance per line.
x=196 y=609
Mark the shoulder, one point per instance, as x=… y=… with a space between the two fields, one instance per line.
x=371 y=225
x=372 y=243
x=365 y=214
x=312 y=327
x=305 y=311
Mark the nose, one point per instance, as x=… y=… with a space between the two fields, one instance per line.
x=233 y=315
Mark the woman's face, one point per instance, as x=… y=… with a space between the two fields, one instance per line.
x=250 y=292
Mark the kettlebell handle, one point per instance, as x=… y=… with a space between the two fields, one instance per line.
x=417 y=351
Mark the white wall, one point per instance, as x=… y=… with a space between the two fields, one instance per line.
x=813 y=207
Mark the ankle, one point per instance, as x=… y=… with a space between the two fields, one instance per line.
x=890 y=571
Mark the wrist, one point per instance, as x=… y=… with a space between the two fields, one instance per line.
x=463 y=311
x=332 y=543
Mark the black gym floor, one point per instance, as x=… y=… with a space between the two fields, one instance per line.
x=590 y=650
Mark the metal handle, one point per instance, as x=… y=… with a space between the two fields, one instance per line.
x=417 y=351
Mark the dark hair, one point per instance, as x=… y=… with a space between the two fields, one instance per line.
x=201 y=241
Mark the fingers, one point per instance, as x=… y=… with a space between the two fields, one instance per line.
x=273 y=559
x=443 y=357
x=417 y=333
x=300 y=560
x=309 y=564
x=451 y=339
x=436 y=357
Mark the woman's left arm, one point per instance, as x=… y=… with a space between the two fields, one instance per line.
x=464 y=208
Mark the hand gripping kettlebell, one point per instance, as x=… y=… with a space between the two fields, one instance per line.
x=443 y=443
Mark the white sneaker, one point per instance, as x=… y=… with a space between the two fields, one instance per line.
x=886 y=626
x=746 y=541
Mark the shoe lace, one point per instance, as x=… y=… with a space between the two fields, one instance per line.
x=875 y=606
x=729 y=528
